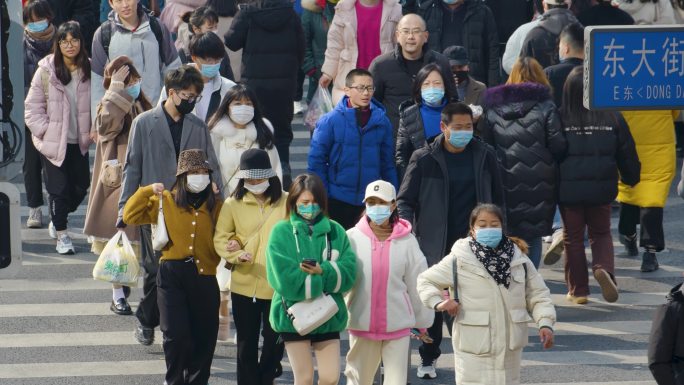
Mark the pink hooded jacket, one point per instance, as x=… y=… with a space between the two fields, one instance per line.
x=48 y=120
x=384 y=303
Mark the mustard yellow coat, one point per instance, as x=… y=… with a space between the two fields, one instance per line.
x=654 y=135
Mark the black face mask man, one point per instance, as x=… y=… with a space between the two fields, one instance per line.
x=184 y=103
x=458 y=60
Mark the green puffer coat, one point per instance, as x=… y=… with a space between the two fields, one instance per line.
x=292 y=241
x=315 y=22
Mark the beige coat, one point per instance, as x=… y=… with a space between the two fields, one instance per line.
x=490 y=329
x=342 y=52
x=113 y=123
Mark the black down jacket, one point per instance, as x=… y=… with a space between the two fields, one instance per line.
x=541 y=42
x=589 y=172
x=523 y=125
x=666 y=345
x=272 y=42
x=480 y=37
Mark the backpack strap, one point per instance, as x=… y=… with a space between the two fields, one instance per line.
x=106 y=35
x=45 y=82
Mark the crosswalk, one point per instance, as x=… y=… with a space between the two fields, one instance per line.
x=56 y=327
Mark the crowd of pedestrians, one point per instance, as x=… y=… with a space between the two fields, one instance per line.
x=457 y=142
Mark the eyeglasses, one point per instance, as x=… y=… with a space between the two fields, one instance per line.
x=362 y=89
x=191 y=99
x=69 y=43
x=407 y=32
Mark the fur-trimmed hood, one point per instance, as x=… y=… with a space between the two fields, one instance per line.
x=513 y=101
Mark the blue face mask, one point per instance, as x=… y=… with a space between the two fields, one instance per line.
x=210 y=70
x=432 y=96
x=37 y=26
x=490 y=236
x=134 y=90
x=378 y=213
x=460 y=139
x=309 y=211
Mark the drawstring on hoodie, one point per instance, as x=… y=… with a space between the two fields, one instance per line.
x=294 y=232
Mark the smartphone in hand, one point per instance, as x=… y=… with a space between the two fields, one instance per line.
x=310 y=262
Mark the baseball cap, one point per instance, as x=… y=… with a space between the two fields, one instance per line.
x=381 y=189
x=457 y=55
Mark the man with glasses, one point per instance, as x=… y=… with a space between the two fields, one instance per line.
x=351 y=147
x=131 y=31
x=394 y=72
x=157 y=138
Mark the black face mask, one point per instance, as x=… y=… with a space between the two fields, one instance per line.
x=185 y=107
x=461 y=76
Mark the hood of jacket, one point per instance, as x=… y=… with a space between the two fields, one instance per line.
x=377 y=110
x=676 y=294
x=48 y=64
x=555 y=19
x=401 y=228
x=272 y=15
x=513 y=101
x=143 y=15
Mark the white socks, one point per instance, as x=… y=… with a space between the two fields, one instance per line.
x=117 y=294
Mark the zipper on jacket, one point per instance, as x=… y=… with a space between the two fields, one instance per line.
x=358 y=178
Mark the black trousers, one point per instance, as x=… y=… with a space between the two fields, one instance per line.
x=148 y=311
x=188 y=309
x=430 y=352
x=283 y=149
x=343 y=213
x=652 y=237
x=251 y=317
x=299 y=93
x=33 y=169
x=67 y=185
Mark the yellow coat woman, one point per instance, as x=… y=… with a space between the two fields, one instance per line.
x=654 y=135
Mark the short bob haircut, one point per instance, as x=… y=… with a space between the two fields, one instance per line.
x=420 y=78
x=37 y=10
x=311 y=183
x=528 y=69
x=206 y=46
x=184 y=78
x=452 y=109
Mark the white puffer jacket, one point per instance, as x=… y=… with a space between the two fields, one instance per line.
x=229 y=144
x=490 y=329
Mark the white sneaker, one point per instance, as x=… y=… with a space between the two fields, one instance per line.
x=427 y=372
x=52 y=232
x=555 y=250
x=64 y=244
x=299 y=107
x=547 y=239
x=35 y=218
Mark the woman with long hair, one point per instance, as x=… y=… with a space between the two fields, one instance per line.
x=187 y=292
x=495 y=292
x=600 y=149
x=522 y=123
x=122 y=102
x=39 y=33
x=237 y=126
x=58 y=114
x=419 y=122
x=242 y=234
x=309 y=255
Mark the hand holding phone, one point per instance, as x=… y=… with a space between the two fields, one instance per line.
x=310 y=262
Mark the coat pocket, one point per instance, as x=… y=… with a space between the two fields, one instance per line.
x=474 y=334
x=519 y=335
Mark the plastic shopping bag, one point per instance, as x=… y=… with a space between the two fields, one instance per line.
x=320 y=105
x=117 y=262
x=223 y=276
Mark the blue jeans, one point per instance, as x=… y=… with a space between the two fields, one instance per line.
x=557 y=221
x=535 y=246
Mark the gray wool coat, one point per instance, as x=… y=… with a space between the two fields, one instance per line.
x=151 y=157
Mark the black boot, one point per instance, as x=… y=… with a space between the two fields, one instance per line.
x=630 y=244
x=649 y=262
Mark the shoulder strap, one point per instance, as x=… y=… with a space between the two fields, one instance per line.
x=45 y=81
x=106 y=36
x=455 y=279
x=158 y=34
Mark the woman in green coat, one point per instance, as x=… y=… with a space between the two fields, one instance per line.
x=298 y=269
x=316 y=18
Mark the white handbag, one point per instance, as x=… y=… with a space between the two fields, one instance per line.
x=307 y=316
x=160 y=237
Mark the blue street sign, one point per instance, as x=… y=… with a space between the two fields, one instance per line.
x=634 y=68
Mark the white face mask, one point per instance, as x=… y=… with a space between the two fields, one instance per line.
x=241 y=114
x=257 y=188
x=197 y=182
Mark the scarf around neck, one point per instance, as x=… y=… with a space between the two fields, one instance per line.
x=46 y=35
x=496 y=261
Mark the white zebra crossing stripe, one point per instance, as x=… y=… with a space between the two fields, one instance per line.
x=63 y=310
x=52 y=285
